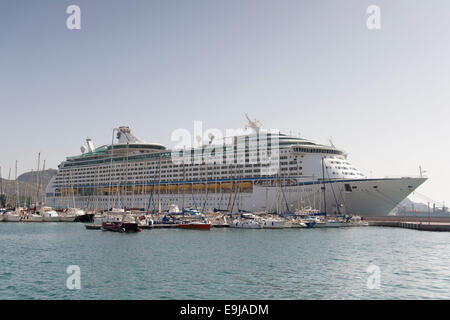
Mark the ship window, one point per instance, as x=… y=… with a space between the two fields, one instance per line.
x=347 y=187
x=375 y=187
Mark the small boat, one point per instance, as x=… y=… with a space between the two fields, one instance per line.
x=11 y=216
x=73 y=215
x=113 y=226
x=117 y=225
x=49 y=215
x=246 y=224
x=195 y=225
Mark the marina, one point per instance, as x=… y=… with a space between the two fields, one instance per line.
x=220 y=155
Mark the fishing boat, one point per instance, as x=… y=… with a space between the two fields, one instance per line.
x=195 y=225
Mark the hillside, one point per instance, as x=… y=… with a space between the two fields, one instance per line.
x=26 y=186
x=31 y=177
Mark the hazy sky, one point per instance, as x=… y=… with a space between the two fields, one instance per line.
x=303 y=66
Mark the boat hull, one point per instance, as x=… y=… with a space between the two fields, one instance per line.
x=51 y=219
x=32 y=218
x=67 y=218
x=118 y=226
x=88 y=217
x=362 y=197
x=11 y=218
x=195 y=226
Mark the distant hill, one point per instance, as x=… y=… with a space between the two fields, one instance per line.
x=27 y=186
x=31 y=177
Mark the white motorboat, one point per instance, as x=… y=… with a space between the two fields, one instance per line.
x=71 y=214
x=246 y=224
x=11 y=216
x=295 y=224
x=49 y=215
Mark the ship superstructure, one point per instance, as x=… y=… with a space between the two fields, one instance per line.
x=231 y=176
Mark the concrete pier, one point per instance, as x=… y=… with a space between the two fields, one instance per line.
x=417 y=223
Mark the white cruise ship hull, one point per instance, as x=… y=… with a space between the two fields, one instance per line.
x=363 y=197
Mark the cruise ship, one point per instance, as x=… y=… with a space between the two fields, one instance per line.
x=259 y=171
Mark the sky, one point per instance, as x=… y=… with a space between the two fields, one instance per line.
x=307 y=67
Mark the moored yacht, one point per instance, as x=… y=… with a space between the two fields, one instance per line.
x=11 y=216
x=49 y=215
x=71 y=214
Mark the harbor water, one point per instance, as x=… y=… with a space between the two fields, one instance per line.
x=223 y=263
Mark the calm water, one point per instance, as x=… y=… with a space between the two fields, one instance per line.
x=222 y=263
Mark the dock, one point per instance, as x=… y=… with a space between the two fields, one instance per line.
x=416 y=223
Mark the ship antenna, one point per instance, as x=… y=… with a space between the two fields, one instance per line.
x=330 y=139
x=254 y=124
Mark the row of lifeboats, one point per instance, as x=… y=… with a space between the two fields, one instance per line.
x=175 y=188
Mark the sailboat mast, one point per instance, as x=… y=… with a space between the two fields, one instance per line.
x=324 y=190
x=42 y=183
x=17 y=203
x=37 y=177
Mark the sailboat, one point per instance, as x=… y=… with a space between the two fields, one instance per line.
x=14 y=215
